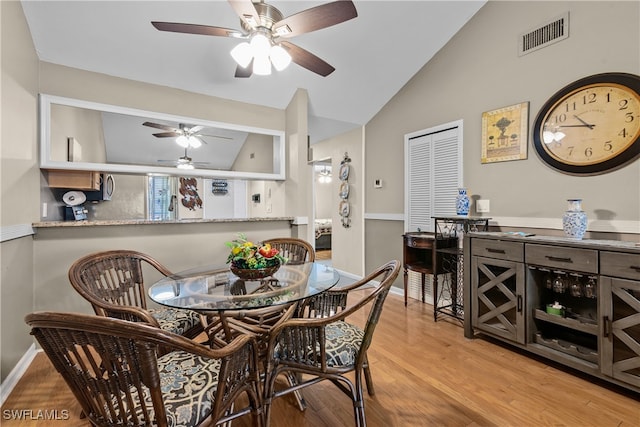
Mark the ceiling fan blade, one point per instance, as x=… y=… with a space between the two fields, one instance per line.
x=308 y=60
x=246 y=11
x=205 y=30
x=246 y=71
x=159 y=126
x=195 y=129
x=166 y=134
x=316 y=18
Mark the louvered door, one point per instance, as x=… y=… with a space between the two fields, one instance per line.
x=433 y=173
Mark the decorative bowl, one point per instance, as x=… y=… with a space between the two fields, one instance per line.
x=254 y=273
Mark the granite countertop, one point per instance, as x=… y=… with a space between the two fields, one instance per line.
x=51 y=224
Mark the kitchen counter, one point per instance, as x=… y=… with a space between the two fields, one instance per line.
x=95 y=223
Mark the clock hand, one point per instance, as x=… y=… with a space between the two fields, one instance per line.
x=578 y=126
x=583 y=122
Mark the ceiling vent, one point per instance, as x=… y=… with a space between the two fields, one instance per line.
x=552 y=32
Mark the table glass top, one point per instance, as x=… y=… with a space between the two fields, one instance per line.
x=215 y=288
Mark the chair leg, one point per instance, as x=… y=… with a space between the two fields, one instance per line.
x=367 y=377
x=293 y=379
x=358 y=401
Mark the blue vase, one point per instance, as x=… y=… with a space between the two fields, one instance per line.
x=462 y=202
x=574 y=220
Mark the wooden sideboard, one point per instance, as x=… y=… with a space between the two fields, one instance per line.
x=513 y=283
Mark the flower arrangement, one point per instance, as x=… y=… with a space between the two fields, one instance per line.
x=245 y=254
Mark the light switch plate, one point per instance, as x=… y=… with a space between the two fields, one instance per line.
x=482 y=206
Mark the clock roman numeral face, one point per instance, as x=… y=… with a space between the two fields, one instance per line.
x=592 y=125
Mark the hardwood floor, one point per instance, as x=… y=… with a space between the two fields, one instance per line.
x=323 y=254
x=425 y=374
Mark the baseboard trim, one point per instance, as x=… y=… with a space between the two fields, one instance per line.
x=17 y=372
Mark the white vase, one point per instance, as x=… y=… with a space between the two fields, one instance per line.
x=462 y=202
x=574 y=220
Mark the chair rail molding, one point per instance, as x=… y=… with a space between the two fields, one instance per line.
x=16 y=231
x=615 y=226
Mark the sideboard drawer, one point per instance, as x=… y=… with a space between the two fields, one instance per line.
x=626 y=266
x=510 y=251
x=583 y=260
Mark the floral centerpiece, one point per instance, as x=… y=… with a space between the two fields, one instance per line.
x=251 y=260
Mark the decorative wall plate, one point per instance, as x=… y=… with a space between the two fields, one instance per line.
x=344 y=172
x=344 y=190
x=344 y=208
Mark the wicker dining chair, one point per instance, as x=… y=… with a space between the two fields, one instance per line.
x=295 y=250
x=118 y=375
x=113 y=282
x=327 y=348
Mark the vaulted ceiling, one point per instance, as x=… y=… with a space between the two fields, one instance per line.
x=374 y=54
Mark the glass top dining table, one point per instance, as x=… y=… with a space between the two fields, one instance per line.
x=216 y=289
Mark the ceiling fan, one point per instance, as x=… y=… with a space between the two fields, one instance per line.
x=186 y=136
x=184 y=162
x=266 y=30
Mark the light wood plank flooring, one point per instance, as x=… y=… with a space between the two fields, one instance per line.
x=425 y=373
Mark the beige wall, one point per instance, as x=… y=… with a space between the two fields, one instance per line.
x=178 y=247
x=19 y=181
x=479 y=70
x=347 y=243
x=95 y=87
x=299 y=198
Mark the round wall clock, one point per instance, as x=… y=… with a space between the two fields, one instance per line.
x=591 y=125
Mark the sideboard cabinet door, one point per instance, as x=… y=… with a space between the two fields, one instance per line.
x=621 y=329
x=497 y=291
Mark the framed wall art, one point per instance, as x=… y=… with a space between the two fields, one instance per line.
x=505 y=133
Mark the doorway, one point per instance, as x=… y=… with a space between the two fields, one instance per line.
x=323 y=185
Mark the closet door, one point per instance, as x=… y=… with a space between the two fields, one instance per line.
x=433 y=173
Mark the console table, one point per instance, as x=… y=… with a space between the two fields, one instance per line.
x=422 y=254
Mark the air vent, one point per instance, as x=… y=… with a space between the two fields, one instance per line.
x=553 y=32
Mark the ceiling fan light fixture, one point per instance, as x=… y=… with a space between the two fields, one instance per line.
x=279 y=57
x=262 y=65
x=260 y=45
x=182 y=141
x=194 y=142
x=242 y=54
x=184 y=166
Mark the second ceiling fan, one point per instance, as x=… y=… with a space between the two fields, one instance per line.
x=265 y=29
x=186 y=136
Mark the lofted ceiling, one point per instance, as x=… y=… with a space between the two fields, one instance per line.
x=374 y=54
